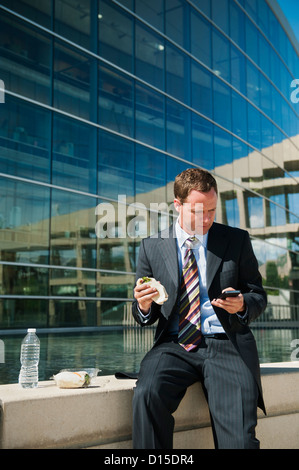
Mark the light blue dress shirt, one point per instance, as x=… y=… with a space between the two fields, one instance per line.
x=209 y=320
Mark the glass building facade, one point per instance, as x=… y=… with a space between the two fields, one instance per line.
x=103 y=103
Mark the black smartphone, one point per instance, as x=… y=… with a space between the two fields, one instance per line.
x=229 y=293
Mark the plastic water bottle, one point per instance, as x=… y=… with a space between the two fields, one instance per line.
x=30 y=349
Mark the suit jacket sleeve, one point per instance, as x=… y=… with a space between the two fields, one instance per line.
x=144 y=269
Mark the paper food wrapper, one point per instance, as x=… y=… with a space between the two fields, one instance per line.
x=162 y=295
x=72 y=379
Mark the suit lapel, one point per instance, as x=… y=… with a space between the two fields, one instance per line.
x=217 y=242
x=168 y=250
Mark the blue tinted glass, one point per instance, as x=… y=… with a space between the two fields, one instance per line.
x=24 y=140
x=222 y=148
x=116 y=166
x=115 y=35
x=293 y=204
x=255 y=212
x=204 y=6
x=149 y=56
x=149 y=117
x=202 y=142
x=200 y=38
x=152 y=11
x=115 y=101
x=253 y=83
x=264 y=56
x=251 y=36
x=239 y=115
x=220 y=14
x=25 y=60
x=80 y=14
x=178 y=130
x=201 y=90
x=254 y=127
x=74 y=154
x=237 y=25
x=238 y=70
x=232 y=212
x=221 y=101
x=72 y=82
x=265 y=96
x=176 y=21
x=277 y=214
x=221 y=56
x=150 y=173
x=177 y=74
x=24 y=215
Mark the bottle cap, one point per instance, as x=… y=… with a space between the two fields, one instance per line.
x=31 y=330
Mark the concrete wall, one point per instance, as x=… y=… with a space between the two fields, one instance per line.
x=100 y=416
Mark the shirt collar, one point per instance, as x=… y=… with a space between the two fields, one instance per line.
x=182 y=236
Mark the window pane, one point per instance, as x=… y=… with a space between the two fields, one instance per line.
x=251 y=35
x=221 y=101
x=201 y=90
x=177 y=73
x=222 y=148
x=116 y=166
x=202 y=142
x=200 y=38
x=254 y=127
x=115 y=35
x=72 y=20
x=24 y=222
x=176 y=13
x=221 y=56
x=253 y=83
x=39 y=12
x=25 y=60
x=72 y=82
x=151 y=11
x=115 y=101
x=238 y=74
x=277 y=214
x=24 y=140
x=255 y=212
x=150 y=174
x=178 y=125
x=220 y=14
x=73 y=223
x=149 y=56
x=74 y=155
x=150 y=117
x=239 y=116
x=237 y=27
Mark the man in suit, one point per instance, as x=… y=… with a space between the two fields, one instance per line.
x=195 y=260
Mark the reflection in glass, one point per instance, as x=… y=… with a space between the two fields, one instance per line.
x=115 y=101
x=149 y=117
x=72 y=20
x=74 y=154
x=255 y=207
x=178 y=137
x=149 y=56
x=25 y=60
x=115 y=35
x=201 y=90
x=24 y=222
x=24 y=140
x=72 y=82
x=202 y=142
x=116 y=166
x=177 y=73
x=150 y=175
x=200 y=38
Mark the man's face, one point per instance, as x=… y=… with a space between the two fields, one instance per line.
x=197 y=213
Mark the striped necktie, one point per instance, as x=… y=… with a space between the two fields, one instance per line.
x=189 y=312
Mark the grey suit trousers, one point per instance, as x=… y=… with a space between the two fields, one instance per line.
x=231 y=391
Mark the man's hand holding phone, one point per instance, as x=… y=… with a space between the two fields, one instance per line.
x=230 y=300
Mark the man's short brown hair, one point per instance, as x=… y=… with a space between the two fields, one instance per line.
x=193 y=178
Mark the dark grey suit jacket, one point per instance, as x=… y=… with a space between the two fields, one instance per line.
x=230 y=263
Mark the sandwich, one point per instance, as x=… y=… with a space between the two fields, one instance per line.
x=162 y=295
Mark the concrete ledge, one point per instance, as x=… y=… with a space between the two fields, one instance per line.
x=100 y=416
